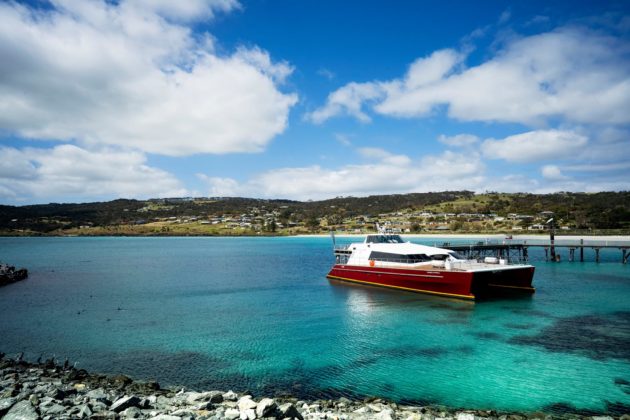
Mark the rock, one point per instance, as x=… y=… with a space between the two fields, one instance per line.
x=465 y=416
x=104 y=415
x=231 y=413
x=266 y=408
x=79 y=387
x=6 y=404
x=22 y=410
x=215 y=397
x=98 y=406
x=246 y=403
x=143 y=388
x=290 y=411
x=84 y=411
x=344 y=400
x=385 y=414
x=165 y=417
x=97 y=394
x=121 y=380
x=132 y=413
x=230 y=396
x=53 y=410
x=248 y=414
x=124 y=403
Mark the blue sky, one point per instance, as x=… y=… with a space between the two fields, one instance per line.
x=311 y=99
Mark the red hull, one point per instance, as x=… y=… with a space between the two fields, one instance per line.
x=459 y=284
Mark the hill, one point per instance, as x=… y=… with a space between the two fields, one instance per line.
x=449 y=210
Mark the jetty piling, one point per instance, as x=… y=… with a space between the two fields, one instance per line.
x=519 y=250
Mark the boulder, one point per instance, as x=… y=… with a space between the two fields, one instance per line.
x=231 y=413
x=97 y=394
x=6 y=404
x=83 y=411
x=246 y=403
x=290 y=411
x=230 y=396
x=465 y=416
x=248 y=414
x=165 y=417
x=22 y=410
x=124 y=403
x=131 y=413
x=54 y=410
x=104 y=415
x=266 y=408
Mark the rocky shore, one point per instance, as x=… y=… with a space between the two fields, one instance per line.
x=46 y=390
x=8 y=274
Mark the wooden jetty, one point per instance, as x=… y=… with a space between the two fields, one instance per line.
x=517 y=250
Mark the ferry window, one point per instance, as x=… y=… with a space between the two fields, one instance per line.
x=384 y=239
x=439 y=257
x=457 y=256
x=404 y=258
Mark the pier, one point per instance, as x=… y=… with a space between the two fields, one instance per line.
x=518 y=250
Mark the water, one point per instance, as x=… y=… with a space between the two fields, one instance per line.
x=258 y=314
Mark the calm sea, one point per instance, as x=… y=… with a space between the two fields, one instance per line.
x=258 y=314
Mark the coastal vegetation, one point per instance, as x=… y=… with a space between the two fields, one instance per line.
x=450 y=211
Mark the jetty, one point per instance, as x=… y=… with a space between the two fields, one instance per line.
x=518 y=250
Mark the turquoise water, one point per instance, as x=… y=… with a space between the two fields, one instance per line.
x=258 y=314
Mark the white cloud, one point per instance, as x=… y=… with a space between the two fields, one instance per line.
x=534 y=146
x=121 y=74
x=459 y=140
x=389 y=174
x=552 y=172
x=70 y=171
x=384 y=156
x=187 y=10
x=343 y=139
x=347 y=100
x=571 y=73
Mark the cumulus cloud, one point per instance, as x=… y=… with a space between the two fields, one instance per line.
x=131 y=74
x=552 y=172
x=574 y=74
x=70 y=171
x=534 y=146
x=347 y=100
x=389 y=173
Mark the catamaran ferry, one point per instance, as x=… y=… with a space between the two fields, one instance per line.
x=387 y=260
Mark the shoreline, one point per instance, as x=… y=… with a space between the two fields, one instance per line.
x=491 y=236
x=46 y=390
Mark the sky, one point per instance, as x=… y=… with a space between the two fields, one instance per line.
x=309 y=100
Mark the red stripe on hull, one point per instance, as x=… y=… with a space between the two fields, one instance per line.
x=461 y=284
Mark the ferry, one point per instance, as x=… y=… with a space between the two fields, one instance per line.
x=387 y=260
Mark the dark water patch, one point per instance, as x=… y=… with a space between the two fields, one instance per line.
x=181 y=368
x=623 y=384
x=617 y=408
x=515 y=326
x=486 y=335
x=426 y=352
x=412 y=351
x=598 y=337
x=529 y=312
x=560 y=408
x=364 y=361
